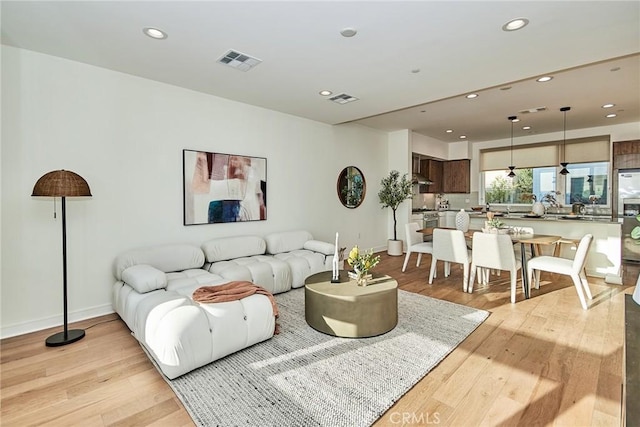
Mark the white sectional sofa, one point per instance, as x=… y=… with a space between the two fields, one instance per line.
x=154 y=286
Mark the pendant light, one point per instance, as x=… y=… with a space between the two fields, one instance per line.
x=564 y=163
x=511 y=168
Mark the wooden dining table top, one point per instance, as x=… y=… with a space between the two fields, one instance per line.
x=527 y=238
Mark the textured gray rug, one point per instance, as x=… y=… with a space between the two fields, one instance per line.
x=305 y=378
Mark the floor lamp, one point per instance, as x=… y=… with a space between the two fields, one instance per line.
x=63 y=184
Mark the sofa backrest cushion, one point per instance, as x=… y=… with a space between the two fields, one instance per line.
x=144 y=278
x=166 y=258
x=287 y=241
x=321 y=247
x=226 y=248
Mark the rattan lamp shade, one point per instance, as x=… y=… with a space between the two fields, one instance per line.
x=61 y=183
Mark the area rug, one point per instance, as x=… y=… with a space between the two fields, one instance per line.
x=303 y=377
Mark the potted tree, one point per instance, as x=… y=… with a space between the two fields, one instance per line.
x=394 y=191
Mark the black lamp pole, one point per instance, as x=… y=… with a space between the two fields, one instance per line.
x=67 y=336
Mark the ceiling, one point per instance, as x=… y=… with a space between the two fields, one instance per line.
x=410 y=63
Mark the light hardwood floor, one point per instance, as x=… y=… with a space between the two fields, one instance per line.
x=542 y=361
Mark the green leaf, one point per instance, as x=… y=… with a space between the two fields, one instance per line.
x=635 y=233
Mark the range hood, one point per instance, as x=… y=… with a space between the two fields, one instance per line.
x=416 y=176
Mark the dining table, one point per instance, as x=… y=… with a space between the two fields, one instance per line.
x=534 y=240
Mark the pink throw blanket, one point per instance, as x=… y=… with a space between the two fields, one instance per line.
x=234 y=291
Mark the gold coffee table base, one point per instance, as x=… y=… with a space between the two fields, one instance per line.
x=348 y=310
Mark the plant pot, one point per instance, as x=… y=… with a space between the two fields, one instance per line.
x=394 y=247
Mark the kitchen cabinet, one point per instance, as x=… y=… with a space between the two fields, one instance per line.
x=456 y=176
x=432 y=169
x=626 y=154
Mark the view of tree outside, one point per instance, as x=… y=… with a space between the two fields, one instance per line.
x=585 y=183
x=499 y=188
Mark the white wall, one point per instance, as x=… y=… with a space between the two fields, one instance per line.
x=125 y=136
x=428 y=146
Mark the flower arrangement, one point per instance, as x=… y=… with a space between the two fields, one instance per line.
x=495 y=223
x=362 y=262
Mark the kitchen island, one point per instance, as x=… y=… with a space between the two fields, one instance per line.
x=605 y=255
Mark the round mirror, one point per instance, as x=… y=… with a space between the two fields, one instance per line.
x=351 y=187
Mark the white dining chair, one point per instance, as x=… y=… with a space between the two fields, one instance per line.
x=415 y=244
x=450 y=246
x=495 y=252
x=575 y=268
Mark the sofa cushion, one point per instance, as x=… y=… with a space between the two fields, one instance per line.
x=318 y=246
x=264 y=270
x=144 y=278
x=287 y=241
x=226 y=248
x=165 y=258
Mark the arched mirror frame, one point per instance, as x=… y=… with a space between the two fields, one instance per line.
x=351 y=187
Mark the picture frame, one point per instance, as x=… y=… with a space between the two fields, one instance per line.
x=222 y=187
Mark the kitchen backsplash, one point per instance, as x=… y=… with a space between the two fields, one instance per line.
x=456 y=201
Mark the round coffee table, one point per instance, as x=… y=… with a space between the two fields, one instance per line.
x=347 y=310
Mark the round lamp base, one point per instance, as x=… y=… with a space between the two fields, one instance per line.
x=61 y=338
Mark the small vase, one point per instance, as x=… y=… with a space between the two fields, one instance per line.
x=538 y=208
x=362 y=280
x=462 y=221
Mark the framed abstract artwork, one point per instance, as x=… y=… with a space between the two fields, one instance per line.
x=221 y=187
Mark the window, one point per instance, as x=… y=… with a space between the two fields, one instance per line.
x=498 y=188
x=537 y=172
x=587 y=183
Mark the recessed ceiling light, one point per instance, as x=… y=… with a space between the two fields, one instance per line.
x=610 y=116
x=325 y=92
x=463 y=136
x=472 y=95
x=516 y=120
x=608 y=105
x=449 y=131
x=415 y=71
x=349 y=32
x=515 y=24
x=155 y=33
x=526 y=127
x=544 y=79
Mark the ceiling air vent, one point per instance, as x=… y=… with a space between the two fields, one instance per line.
x=533 y=110
x=238 y=60
x=343 y=98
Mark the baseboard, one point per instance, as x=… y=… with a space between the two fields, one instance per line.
x=53 y=321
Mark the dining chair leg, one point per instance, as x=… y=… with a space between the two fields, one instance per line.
x=447 y=269
x=419 y=259
x=465 y=277
x=585 y=284
x=432 y=270
x=514 y=279
x=530 y=275
x=472 y=277
x=406 y=260
x=577 y=282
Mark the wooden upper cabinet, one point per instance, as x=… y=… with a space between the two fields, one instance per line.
x=432 y=169
x=456 y=176
x=626 y=154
